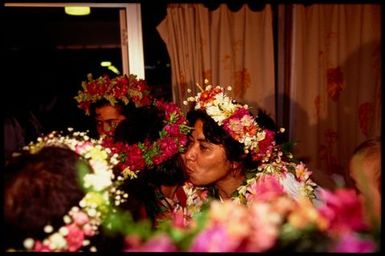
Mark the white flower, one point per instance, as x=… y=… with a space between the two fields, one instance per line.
x=261 y=135
x=28 y=243
x=57 y=241
x=291 y=185
x=98 y=182
x=215 y=113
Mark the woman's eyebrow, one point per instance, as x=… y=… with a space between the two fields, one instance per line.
x=202 y=140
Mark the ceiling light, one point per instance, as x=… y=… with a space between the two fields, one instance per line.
x=77 y=10
x=114 y=69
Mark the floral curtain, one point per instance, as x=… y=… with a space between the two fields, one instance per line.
x=228 y=48
x=335 y=91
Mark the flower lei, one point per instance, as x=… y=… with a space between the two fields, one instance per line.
x=235 y=119
x=172 y=140
x=121 y=88
x=82 y=221
x=272 y=222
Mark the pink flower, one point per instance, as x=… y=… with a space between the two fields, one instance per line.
x=88 y=230
x=343 y=209
x=131 y=242
x=213 y=239
x=75 y=237
x=350 y=242
x=80 y=147
x=40 y=247
x=158 y=243
x=265 y=224
x=178 y=218
x=301 y=172
x=80 y=218
x=239 y=124
x=266 y=188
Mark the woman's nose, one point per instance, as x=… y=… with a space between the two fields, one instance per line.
x=190 y=153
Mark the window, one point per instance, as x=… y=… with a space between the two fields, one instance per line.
x=48 y=54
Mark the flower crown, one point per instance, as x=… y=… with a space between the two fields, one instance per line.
x=172 y=140
x=235 y=119
x=82 y=221
x=121 y=88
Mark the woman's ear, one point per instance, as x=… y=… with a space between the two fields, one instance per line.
x=236 y=168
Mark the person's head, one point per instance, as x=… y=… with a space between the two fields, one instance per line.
x=212 y=154
x=225 y=141
x=365 y=165
x=40 y=190
x=144 y=123
x=54 y=192
x=111 y=100
x=365 y=170
x=150 y=142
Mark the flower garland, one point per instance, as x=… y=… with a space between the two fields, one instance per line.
x=235 y=119
x=121 y=88
x=172 y=140
x=271 y=222
x=280 y=177
x=293 y=179
x=82 y=221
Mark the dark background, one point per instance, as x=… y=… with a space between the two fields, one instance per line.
x=46 y=54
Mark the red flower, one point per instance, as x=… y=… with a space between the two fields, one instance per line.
x=172 y=129
x=265 y=145
x=133 y=157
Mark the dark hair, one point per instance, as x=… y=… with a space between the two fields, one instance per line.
x=217 y=135
x=39 y=190
x=144 y=123
x=265 y=121
x=367 y=145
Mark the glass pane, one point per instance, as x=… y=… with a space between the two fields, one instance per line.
x=156 y=58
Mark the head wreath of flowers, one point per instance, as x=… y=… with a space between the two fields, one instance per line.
x=123 y=89
x=235 y=119
x=172 y=140
x=83 y=220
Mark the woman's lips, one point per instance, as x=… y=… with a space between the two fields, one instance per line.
x=188 y=170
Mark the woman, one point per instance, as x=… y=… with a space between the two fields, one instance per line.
x=234 y=157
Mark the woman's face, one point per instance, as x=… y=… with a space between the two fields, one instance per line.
x=205 y=163
x=107 y=118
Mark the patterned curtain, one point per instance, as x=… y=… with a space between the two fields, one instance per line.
x=228 y=48
x=335 y=84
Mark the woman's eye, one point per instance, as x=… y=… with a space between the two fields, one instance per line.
x=203 y=147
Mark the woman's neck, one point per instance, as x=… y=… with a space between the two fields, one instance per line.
x=229 y=184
